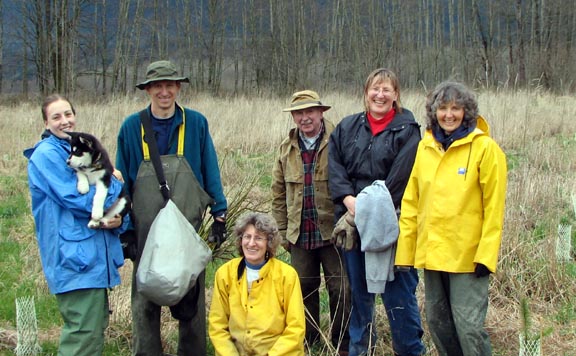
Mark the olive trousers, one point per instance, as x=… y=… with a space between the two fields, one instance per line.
x=456 y=306
x=86 y=314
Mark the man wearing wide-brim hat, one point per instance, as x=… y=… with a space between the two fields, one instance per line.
x=303 y=208
x=191 y=168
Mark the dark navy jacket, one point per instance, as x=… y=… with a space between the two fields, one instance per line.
x=356 y=158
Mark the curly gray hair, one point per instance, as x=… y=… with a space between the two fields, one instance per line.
x=264 y=224
x=451 y=92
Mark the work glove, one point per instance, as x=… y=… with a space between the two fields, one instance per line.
x=345 y=234
x=217 y=233
x=129 y=245
x=481 y=270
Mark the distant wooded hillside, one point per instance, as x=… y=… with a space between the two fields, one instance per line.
x=103 y=46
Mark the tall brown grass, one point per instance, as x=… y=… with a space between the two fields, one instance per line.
x=536 y=130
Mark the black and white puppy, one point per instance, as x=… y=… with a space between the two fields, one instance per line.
x=93 y=167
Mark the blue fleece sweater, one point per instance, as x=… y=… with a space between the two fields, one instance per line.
x=198 y=149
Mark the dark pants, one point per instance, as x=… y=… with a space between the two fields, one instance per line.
x=190 y=312
x=456 y=306
x=401 y=308
x=307 y=263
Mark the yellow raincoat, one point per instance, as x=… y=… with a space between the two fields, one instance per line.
x=453 y=207
x=268 y=321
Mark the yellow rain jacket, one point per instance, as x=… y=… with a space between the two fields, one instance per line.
x=453 y=207
x=268 y=321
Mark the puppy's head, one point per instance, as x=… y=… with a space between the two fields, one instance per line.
x=81 y=150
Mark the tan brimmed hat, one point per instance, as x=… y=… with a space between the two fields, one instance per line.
x=161 y=70
x=305 y=99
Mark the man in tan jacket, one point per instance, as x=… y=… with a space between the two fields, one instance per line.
x=303 y=208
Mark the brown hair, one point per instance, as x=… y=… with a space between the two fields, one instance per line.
x=52 y=99
x=379 y=75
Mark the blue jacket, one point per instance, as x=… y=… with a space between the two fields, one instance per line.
x=73 y=255
x=198 y=149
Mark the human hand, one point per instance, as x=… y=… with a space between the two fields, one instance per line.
x=350 y=203
x=218 y=232
x=284 y=242
x=129 y=245
x=286 y=245
x=481 y=271
x=118 y=175
x=111 y=223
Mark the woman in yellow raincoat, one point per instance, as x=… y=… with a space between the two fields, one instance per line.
x=257 y=307
x=451 y=219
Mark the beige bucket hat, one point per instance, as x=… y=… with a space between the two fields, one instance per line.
x=305 y=99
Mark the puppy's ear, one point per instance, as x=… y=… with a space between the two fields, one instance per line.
x=70 y=136
x=85 y=141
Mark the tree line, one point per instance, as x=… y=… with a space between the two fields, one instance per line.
x=239 y=46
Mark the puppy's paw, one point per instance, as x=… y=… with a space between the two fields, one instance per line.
x=97 y=214
x=94 y=224
x=83 y=187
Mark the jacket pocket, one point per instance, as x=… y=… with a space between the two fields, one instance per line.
x=77 y=248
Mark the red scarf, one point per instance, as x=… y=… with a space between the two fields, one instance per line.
x=378 y=126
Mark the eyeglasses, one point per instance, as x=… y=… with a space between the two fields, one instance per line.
x=256 y=238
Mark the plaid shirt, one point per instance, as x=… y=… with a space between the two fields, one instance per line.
x=310 y=237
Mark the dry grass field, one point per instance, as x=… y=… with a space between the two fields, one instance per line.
x=536 y=130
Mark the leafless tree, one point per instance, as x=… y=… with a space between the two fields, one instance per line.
x=285 y=45
x=1 y=47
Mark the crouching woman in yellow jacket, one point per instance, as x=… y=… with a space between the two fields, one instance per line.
x=451 y=219
x=257 y=306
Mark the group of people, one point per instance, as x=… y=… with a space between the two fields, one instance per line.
x=441 y=195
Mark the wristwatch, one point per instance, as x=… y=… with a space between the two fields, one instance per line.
x=221 y=217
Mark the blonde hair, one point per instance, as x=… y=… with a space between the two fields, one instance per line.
x=378 y=75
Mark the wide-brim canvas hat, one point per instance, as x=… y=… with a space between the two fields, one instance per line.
x=161 y=70
x=305 y=99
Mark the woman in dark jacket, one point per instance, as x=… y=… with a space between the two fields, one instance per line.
x=378 y=144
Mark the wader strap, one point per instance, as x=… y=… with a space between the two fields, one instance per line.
x=181 y=131
x=146 y=123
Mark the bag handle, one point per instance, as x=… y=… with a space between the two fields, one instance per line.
x=150 y=139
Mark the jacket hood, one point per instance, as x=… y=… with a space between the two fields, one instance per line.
x=482 y=124
x=45 y=136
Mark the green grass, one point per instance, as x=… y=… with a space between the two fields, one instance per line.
x=247 y=181
x=20 y=271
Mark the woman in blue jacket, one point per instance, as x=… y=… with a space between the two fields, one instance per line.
x=79 y=263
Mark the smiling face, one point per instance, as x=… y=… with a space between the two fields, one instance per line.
x=254 y=245
x=309 y=120
x=450 y=116
x=380 y=96
x=163 y=94
x=60 y=118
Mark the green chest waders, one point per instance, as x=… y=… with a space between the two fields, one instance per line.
x=147 y=200
x=185 y=190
